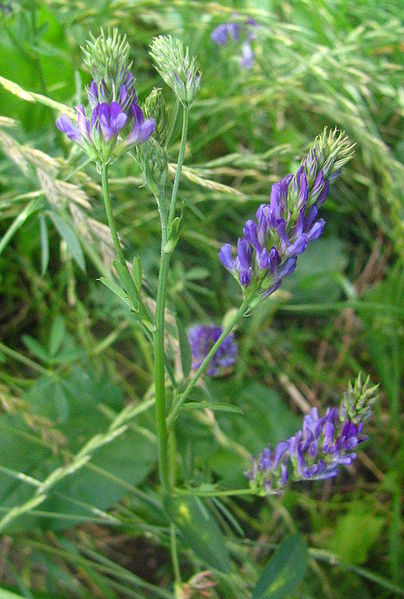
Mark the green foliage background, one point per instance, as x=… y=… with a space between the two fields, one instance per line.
x=71 y=358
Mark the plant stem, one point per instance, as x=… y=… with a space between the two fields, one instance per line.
x=166 y=454
x=174 y=555
x=173 y=536
x=123 y=271
x=172 y=122
x=24 y=360
x=159 y=365
x=159 y=357
x=110 y=217
x=177 y=407
x=179 y=166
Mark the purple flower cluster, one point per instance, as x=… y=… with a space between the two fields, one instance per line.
x=98 y=134
x=201 y=340
x=269 y=249
x=237 y=32
x=313 y=453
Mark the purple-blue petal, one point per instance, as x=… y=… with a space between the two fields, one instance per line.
x=65 y=124
x=316 y=230
x=226 y=256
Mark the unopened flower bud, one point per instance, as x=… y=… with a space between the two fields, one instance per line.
x=359 y=400
x=107 y=56
x=177 y=68
x=154 y=107
x=153 y=162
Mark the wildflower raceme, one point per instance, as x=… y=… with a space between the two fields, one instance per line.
x=115 y=121
x=270 y=247
x=202 y=338
x=318 y=450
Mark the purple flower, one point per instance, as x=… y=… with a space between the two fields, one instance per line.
x=314 y=453
x=246 y=59
x=220 y=34
x=226 y=257
x=237 y=32
x=109 y=118
x=65 y=125
x=285 y=227
x=98 y=134
x=201 y=340
x=141 y=129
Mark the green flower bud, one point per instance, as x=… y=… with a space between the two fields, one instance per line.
x=155 y=108
x=177 y=68
x=359 y=400
x=153 y=162
x=107 y=56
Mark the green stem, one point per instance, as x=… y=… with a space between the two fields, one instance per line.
x=179 y=166
x=172 y=122
x=24 y=360
x=166 y=453
x=122 y=269
x=159 y=366
x=182 y=398
x=174 y=555
x=110 y=218
x=159 y=357
x=173 y=536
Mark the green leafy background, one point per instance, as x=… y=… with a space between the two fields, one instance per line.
x=72 y=358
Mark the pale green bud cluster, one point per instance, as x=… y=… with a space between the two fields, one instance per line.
x=359 y=400
x=154 y=107
x=333 y=150
x=177 y=68
x=153 y=161
x=107 y=56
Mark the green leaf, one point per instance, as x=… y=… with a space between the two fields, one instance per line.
x=316 y=278
x=61 y=403
x=43 y=228
x=185 y=349
x=215 y=406
x=385 y=336
x=200 y=531
x=129 y=284
x=173 y=235
x=126 y=460
x=8 y=595
x=285 y=570
x=70 y=237
x=36 y=348
x=114 y=287
x=137 y=273
x=197 y=273
x=57 y=335
x=355 y=534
